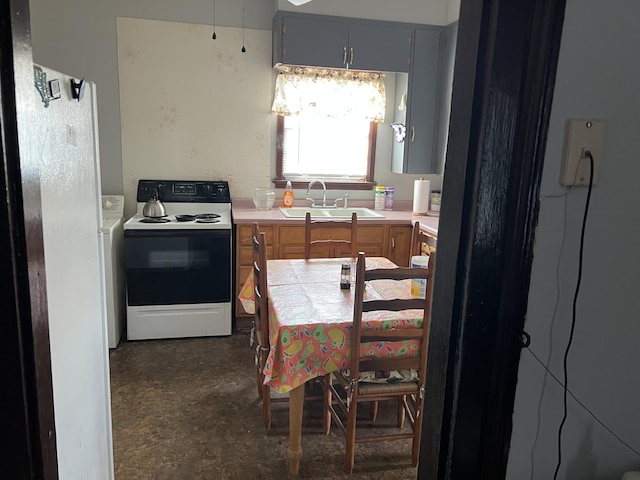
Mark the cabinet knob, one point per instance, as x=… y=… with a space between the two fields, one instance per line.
x=351 y=61
x=344 y=55
x=413 y=133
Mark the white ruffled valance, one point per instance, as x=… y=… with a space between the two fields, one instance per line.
x=328 y=92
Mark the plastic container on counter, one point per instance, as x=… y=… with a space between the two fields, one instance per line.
x=388 y=198
x=436 y=196
x=419 y=286
x=378 y=198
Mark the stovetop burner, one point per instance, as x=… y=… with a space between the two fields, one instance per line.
x=199 y=218
x=154 y=220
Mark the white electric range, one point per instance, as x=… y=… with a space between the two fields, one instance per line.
x=179 y=267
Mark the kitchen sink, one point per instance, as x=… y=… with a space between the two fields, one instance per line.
x=301 y=212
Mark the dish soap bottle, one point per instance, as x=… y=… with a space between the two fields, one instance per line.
x=287 y=196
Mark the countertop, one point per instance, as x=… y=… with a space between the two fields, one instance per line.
x=244 y=212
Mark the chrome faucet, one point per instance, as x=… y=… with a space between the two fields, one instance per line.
x=345 y=200
x=324 y=193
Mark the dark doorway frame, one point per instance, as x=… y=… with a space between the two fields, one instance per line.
x=505 y=70
x=28 y=428
x=506 y=59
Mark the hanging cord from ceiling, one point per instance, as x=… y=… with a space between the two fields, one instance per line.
x=588 y=155
x=243 y=49
x=213 y=37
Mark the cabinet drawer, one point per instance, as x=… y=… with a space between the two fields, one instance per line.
x=244 y=234
x=291 y=252
x=371 y=234
x=289 y=235
x=245 y=255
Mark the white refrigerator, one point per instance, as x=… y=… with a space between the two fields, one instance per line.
x=71 y=221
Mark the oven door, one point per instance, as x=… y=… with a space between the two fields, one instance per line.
x=175 y=267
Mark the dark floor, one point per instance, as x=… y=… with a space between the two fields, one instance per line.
x=188 y=409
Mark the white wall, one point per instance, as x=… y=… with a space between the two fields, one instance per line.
x=201 y=115
x=83 y=42
x=598 y=77
x=79 y=38
x=453 y=11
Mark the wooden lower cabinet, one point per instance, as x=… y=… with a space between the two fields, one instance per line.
x=399 y=245
x=287 y=241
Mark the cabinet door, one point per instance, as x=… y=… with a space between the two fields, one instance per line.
x=245 y=234
x=420 y=143
x=288 y=252
x=399 y=245
x=375 y=47
x=314 y=42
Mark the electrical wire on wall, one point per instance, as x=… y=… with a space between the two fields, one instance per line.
x=562 y=195
x=544 y=364
x=602 y=424
x=588 y=155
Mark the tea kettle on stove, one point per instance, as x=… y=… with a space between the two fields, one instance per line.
x=154 y=208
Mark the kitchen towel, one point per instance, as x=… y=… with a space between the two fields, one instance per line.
x=421 y=191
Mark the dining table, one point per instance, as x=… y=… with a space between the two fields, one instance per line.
x=310 y=319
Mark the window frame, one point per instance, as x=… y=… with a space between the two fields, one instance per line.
x=368 y=184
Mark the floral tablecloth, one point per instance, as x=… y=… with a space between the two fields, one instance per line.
x=310 y=319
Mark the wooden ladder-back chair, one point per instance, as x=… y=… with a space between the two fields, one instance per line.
x=421 y=243
x=345 y=390
x=260 y=330
x=323 y=242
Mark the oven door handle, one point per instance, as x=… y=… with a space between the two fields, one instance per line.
x=204 y=232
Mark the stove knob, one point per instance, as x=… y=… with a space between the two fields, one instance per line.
x=221 y=192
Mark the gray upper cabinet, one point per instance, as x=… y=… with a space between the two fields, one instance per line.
x=448 y=44
x=318 y=43
x=335 y=42
x=419 y=153
x=379 y=47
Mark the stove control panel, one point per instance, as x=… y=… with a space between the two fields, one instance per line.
x=184 y=191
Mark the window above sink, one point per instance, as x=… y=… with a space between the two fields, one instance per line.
x=327 y=125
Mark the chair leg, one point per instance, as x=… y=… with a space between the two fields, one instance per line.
x=417 y=433
x=401 y=412
x=259 y=382
x=266 y=406
x=326 y=413
x=373 y=410
x=350 y=440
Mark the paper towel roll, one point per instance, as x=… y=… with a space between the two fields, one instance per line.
x=421 y=191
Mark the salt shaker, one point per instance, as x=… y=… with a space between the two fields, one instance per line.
x=345 y=276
